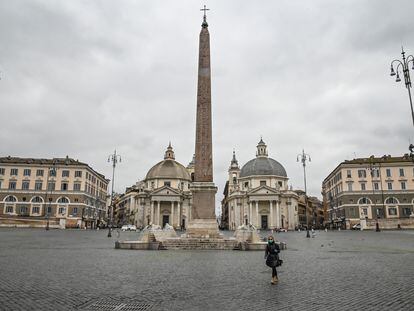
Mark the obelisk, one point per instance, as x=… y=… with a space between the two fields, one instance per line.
x=203 y=220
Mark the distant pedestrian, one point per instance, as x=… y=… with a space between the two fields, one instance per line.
x=272 y=257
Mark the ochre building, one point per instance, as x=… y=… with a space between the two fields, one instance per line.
x=371 y=191
x=59 y=192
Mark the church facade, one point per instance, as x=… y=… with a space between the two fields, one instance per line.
x=163 y=197
x=258 y=194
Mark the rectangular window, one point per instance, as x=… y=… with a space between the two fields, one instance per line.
x=406 y=211
x=353 y=212
x=51 y=186
x=389 y=185
x=23 y=210
x=12 y=185
x=280 y=184
x=403 y=186
x=2 y=171
x=388 y=171
x=64 y=186
x=38 y=185
x=78 y=173
x=365 y=211
x=392 y=211
x=167 y=183
x=9 y=209
x=39 y=173
x=75 y=211
x=77 y=186
x=52 y=172
x=35 y=210
x=61 y=210
x=401 y=172
x=49 y=209
x=363 y=187
x=246 y=184
x=362 y=174
x=349 y=186
x=25 y=185
x=65 y=173
x=348 y=174
x=0 y=184
x=14 y=172
x=376 y=186
x=27 y=172
x=263 y=183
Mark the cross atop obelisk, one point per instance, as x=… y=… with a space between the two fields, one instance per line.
x=203 y=220
x=204 y=24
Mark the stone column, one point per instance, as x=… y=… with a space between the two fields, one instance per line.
x=180 y=214
x=158 y=213
x=172 y=213
x=271 y=214
x=250 y=212
x=230 y=217
x=257 y=214
x=236 y=215
x=152 y=212
x=277 y=214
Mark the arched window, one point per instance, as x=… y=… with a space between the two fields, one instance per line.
x=364 y=201
x=10 y=198
x=36 y=199
x=391 y=201
x=63 y=200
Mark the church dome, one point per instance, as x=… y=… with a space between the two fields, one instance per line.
x=262 y=165
x=169 y=168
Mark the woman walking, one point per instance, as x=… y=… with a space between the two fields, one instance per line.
x=272 y=257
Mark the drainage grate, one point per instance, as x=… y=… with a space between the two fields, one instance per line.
x=106 y=304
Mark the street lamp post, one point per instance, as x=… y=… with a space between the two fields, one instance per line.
x=303 y=157
x=114 y=158
x=404 y=67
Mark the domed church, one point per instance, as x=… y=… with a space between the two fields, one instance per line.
x=258 y=194
x=162 y=197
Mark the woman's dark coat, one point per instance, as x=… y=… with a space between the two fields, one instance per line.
x=271 y=254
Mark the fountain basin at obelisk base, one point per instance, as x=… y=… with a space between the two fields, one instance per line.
x=245 y=238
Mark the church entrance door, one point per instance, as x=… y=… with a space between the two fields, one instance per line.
x=165 y=220
x=264 y=221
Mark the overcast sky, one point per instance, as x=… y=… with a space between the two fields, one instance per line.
x=81 y=78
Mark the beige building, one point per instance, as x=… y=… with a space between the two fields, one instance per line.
x=371 y=190
x=163 y=197
x=258 y=194
x=59 y=192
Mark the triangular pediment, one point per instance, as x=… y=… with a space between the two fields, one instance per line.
x=262 y=190
x=165 y=190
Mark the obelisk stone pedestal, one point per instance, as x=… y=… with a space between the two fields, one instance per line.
x=203 y=223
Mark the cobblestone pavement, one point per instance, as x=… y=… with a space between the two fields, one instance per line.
x=81 y=270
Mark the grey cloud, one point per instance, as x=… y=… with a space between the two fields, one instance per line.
x=84 y=77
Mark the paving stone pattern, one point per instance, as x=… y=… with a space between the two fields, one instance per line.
x=80 y=270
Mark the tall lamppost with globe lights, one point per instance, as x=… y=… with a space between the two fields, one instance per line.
x=399 y=67
x=114 y=158
x=303 y=157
